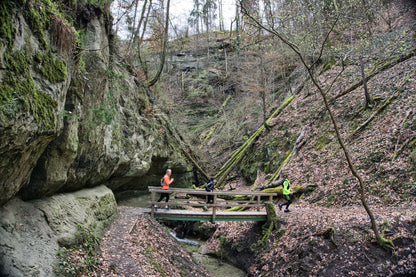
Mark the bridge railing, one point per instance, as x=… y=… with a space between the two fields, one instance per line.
x=229 y=199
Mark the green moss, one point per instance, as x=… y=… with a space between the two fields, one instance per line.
x=17 y=62
x=295 y=189
x=7 y=31
x=329 y=64
x=323 y=140
x=18 y=92
x=104 y=114
x=38 y=15
x=53 y=69
x=236 y=209
x=43 y=107
x=330 y=200
x=412 y=158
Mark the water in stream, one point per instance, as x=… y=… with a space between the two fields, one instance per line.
x=214 y=266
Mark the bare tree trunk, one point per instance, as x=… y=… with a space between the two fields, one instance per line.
x=139 y=55
x=134 y=26
x=163 y=54
x=381 y=240
x=220 y=16
x=368 y=99
x=263 y=91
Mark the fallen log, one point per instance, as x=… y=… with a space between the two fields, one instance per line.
x=295 y=189
x=298 y=144
x=273 y=184
x=389 y=65
x=238 y=155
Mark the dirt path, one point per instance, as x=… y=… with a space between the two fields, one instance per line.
x=136 y=245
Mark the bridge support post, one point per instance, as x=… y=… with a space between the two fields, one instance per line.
x=214 y=209
x=258 y=203
x=272 y=216
x=152 y=199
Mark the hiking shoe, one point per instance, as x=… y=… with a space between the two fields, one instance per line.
x=155 y=208
x=280 y=206
x=204 y=209
x=287 y=211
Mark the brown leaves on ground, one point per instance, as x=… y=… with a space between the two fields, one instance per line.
x=136 y=245
x=301 y=248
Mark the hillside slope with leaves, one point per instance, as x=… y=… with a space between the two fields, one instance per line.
x=232 y=87
x=218 y=103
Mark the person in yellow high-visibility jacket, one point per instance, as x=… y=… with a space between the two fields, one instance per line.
x=286 y=194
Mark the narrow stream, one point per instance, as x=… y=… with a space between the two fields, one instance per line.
x=214 y=266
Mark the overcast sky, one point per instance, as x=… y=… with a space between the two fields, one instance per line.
x=182 y=8
x=180 y=11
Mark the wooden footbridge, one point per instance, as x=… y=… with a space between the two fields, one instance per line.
x=183 y=207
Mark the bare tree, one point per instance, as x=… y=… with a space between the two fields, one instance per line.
x=164 y=43
x=310 y=69
x=220 y=16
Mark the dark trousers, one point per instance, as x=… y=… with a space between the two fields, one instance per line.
x=210 y=199
x=289 y=201
x=164 y=195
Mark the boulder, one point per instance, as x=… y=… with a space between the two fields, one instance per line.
x=32 y=232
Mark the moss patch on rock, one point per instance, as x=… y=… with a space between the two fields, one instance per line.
x=18 y=92
x=7 y=31
x=38 y=15
x=53 y=69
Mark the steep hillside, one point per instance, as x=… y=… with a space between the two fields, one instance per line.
x=218 y=94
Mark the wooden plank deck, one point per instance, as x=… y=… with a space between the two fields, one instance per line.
x=251 y=199
x=194 y=215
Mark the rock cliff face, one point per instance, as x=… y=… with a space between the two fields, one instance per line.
x=73 y=123
x=71 y=116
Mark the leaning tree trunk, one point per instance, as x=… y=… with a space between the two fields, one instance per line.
x=380 y=239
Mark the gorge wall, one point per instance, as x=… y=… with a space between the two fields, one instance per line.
x=75 y=126
x=71 y=116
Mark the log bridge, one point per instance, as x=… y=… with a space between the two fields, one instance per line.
x=182 y=207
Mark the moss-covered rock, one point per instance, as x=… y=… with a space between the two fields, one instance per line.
x=7 y=30
x=38 y=14
x=32 y=232
x=18 y=84
x=52 y=68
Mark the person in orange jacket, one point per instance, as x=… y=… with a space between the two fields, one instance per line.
x=166 y=182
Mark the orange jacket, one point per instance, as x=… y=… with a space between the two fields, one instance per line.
x=166 y=182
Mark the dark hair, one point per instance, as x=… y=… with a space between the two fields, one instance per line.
x=212 y=179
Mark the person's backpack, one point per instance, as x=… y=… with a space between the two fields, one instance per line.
x=161 y=182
